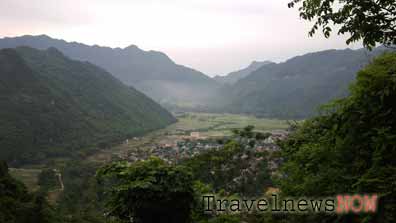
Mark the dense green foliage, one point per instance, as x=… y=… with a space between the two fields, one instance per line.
x=151 y=72
x=153 y=191
x=51 y=105
x=370 y=21
x=47 y=180
x=351 y=148
x=295 y=88
x=149 y=191
x=81 y=201
x=233 y=169
x=17 y=205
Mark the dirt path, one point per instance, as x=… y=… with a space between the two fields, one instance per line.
x=54 y=194
x=59 y=176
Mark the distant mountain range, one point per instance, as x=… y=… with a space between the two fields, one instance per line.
x=151 y=72
x=295 y=88
x=234 y=77
x=292 y=89
x=52 y=105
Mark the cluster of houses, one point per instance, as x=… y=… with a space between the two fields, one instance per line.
x=194 y=144
x=175 y=151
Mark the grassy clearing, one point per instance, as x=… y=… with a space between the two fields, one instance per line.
x=28 y=176
x=222 y=124
x=209 y=125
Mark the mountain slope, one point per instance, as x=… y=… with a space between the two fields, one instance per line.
x=51 y=105
x=233 y=77
x=151 y=72
x=295 y=88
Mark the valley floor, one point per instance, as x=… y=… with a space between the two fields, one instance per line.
x=202 y=127
x=192 y=133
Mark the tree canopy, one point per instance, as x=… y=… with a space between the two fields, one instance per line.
x=18 y=205
x=149 y=191
x=373 y=21
x=351 y=148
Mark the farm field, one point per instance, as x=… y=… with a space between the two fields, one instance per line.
x=206 y=125
x=28 y=176
x=209 y=124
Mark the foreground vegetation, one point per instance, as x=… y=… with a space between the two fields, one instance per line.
x=82 y=199
x=349 y=148
x=18 y=205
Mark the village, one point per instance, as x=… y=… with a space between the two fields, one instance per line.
x=174 y=149
x=197 y=133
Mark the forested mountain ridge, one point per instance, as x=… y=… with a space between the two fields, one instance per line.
x=235 y=76
x=51 y=105
x=295 y=88
x=151 y=72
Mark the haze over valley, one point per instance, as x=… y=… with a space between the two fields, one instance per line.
x=301 y=83
x=197 y=111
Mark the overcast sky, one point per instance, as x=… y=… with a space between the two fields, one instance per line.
x=213 y=36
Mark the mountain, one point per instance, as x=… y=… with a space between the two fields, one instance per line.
x=151 y=72
x=295 y=88
x=233 y=77
x=51 y=105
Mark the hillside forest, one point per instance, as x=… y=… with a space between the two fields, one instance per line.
x=97 y=134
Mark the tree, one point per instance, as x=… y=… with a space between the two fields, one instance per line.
x=149 y=191
x=48 y=180
x=18 y=205
x=351 y=148
x=373 y=21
